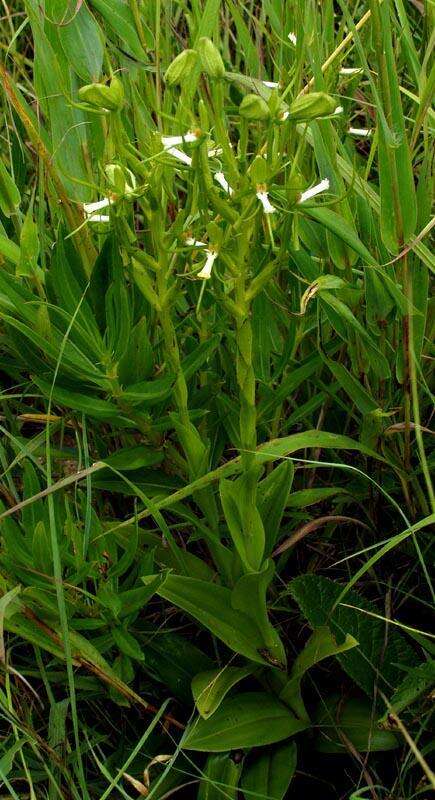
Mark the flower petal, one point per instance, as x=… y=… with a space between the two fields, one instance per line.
x=323 y=186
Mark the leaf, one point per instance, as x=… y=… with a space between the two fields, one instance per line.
x=269 y=773
x=9 y=250
x=80 y=37
x=212 y=606
x=353 y=388
x=419 y=680
x=337 y=225
x=129 y=458
x=5 y=601
x=173 y=660
x=309 y=497
x=9 y=195
x=87 y=404
x=127 y=644
x=339 y=722
x=272 y=498
x=209 y=688
x=249 y=596
x=247 y=720
x=250 y=546
x=220 y=778
x=279 y=448
x=340 y=310
x=320 y=645
x=120 y=20
x=371 y=661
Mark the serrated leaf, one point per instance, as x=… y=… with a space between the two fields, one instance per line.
x=371 y=661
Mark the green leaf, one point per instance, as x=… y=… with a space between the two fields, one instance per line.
x=129 y=458
x=320 y=645
x=249 y=596
x=120 y=21
x=9 y=250
x=309 y=497
x=247 y=720
x=419 y=680
x=279 y=448
x=369 y=663
x=209 y=688
x=337 y=225
x=212 y=606
x=80 y=37
x=220 y=778
x=250 y=547
x=269 y=773
x=127 y=644
x=9 y=195
x=339 y=722
x=273 y=493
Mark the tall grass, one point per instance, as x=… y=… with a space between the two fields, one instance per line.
x=216 y=352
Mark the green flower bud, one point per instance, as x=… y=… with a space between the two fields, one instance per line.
x=99 y=95
x=121 y=179
x=181 y=68
x=254 y=107
x=211 y=58
x=312 y=106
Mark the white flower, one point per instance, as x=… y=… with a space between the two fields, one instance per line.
x=292 y=37
x=205 y=273
x=91 y=210
x=263 y=197
x=360 y=131
x=222 y=181
x=350 y=70
x=180 y=155
x=338 y=110
x=172 y=141
x=323 y=186
x=191 y=242
x=283 y=116
x=271 y=84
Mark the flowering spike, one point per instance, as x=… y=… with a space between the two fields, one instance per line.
x=323 y=186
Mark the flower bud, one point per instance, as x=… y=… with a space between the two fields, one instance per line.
x=99 y=95
x=116 y=177
x=254 y=107
x=121 y=179
x=211 y=58
x=181 y=68
x=312 y=106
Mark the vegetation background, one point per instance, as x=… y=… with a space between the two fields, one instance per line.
x=216 y=359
